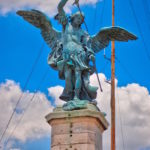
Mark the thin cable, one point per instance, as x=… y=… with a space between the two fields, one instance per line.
x=140 y=31
x=94 y=20
x=147 y=12
x=26 y=83
x=29 y=103
x=121 y=123
x=101 y=17
x=125 y=69
x=148 y=5
x=104 y=68
x=82 y=16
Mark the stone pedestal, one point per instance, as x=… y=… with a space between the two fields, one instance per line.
x=78 y=129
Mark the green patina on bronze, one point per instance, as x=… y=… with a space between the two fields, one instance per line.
x=72 y=51
x=75 y=105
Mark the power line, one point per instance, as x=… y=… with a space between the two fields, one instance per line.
x=101 y=16
x=121 y=123
x=102 y=19
x=26 y=83
x=140 y=31
x=94 y=20
x=125 y=69
x=147 y=12
x=148 y=5
x=31 y=100
x=105 y=66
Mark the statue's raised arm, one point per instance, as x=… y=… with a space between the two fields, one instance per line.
x=61 y=6
x=105 y=35
x=61 y=16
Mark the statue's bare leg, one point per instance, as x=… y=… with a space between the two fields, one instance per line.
x=68 y=90
x=68 y=78
x=78 y=83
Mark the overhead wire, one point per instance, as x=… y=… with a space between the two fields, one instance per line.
x=121 y=122
x=20 y=98
x=120 y=117
x=86 y=27
x=27 y=106
x=148 y=5
x=147 y=12
x=94 y=18
x=102 y=19
x=130 y=75
x=125 y=69
x=94 y=22
x=140 y=31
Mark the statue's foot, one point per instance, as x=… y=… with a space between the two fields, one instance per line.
x=75 y=104
x=76 y=98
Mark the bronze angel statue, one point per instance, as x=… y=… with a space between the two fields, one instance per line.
x=72 y=51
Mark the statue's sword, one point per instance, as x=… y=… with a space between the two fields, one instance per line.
x=98 y=78
x=94 y=62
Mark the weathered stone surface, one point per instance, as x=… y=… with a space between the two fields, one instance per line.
x=75 y=147
x=91 y=111
x=77 y=130
x=83 y=125
x=79 y=138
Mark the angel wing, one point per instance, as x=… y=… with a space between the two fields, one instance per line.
x=41 y=21
x=102 y=39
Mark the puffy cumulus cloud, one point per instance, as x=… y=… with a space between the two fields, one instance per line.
x=33 y=124
x=132 y=113
x=55 y=92
x=48 y=6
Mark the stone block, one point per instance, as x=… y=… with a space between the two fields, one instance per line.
x=77 y=130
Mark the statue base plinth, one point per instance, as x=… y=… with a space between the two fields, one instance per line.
x=78 y=129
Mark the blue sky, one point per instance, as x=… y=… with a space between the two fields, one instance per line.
x=21 y=43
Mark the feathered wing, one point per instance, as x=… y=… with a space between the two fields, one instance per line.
x=102 y=39
x=41 y=21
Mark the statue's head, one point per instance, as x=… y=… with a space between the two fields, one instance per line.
x=77 y=18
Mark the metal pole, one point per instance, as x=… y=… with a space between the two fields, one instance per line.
x=113 y=142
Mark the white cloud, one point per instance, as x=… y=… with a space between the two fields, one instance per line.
x=33 y=125
x=47 y=6
x=133 y=101
x=132 y=111
x=134 y=104
x=55 y=92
